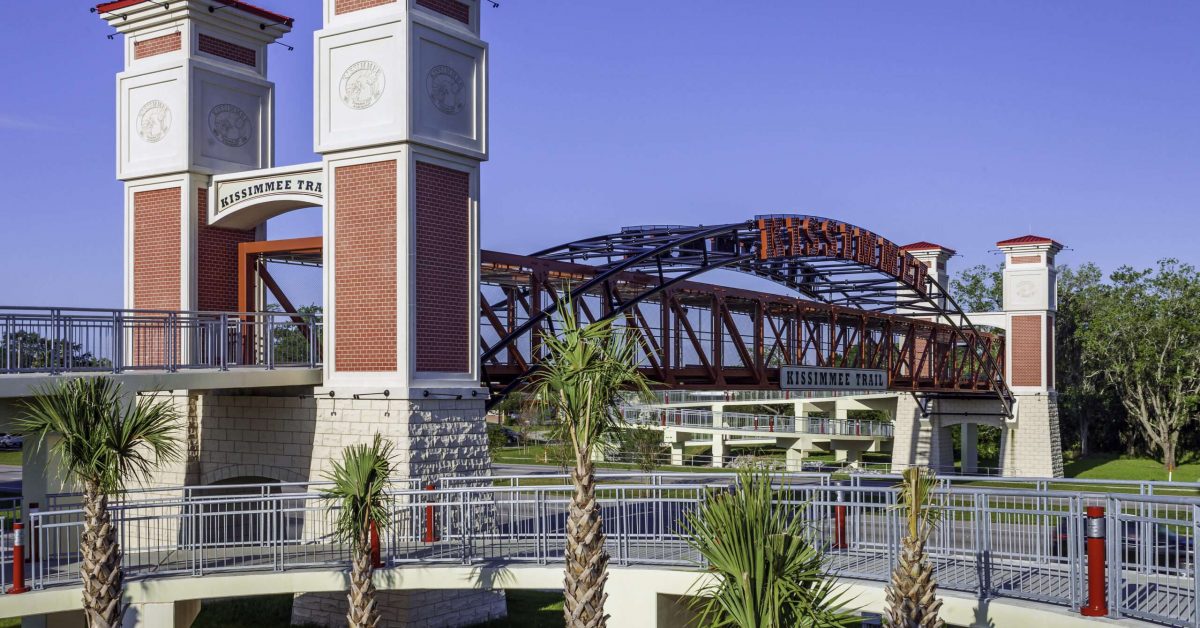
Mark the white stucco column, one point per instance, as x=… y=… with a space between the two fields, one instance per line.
x=676 y=454
x=795 y=456
x=718 y=450
x=969 y=447
x=160 y=615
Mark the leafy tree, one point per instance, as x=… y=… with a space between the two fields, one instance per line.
x=360 y=481
x=643 y=444
x=1089 y=410
x=770 y=573
x=1144 y=343
x=979 y=288
x=497 y=438
x=581 y=378
x=291 y=341
x=103 y=443
x=30 y=350
x=912 y=593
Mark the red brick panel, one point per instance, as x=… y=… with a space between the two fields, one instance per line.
x=1027 y=259
x=157 y=45
x=450 y=8
x=156 y=268
x=348 y=6
x=443 y=241
x=1026 y=338
x=217 y=261
x=365 y=266
x=227 y=50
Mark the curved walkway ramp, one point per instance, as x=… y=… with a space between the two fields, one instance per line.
x=998 y=552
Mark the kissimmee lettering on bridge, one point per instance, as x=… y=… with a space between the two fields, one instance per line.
x=822 y=378
x=267 y=187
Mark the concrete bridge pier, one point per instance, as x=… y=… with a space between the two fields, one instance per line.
x=969 y=448
x=676 y=454
x=795 y=455
x=159 y=615
x=849 y=451
x=719 y=449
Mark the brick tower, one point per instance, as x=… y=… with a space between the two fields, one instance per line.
x=193 y=101
x=400 y=121
x=1032 y=443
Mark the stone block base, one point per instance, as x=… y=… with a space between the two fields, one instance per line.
x=404 y=609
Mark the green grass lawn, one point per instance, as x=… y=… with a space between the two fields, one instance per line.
x=531 y=609
x=1112 y=467
x=11 y=457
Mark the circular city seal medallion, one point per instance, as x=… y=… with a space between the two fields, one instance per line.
x=362 y=84
x=153 y=121
x=445 y=89
x=230 y=125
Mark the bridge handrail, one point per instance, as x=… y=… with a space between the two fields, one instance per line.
x=63 y=340
x=989 y=535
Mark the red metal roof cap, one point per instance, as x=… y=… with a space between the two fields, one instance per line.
x=105 y=7
x=925 y=246
x=1027 y=239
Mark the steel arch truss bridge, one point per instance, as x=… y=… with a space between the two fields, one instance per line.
x=859 y=301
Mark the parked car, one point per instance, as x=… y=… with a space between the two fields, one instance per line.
x=11 y=441
x=1170 y=549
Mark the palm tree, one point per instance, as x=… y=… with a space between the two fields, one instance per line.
x=103 y=444
x=585 y=369
x=768 y=570
x=912 y=594
x=360 y=481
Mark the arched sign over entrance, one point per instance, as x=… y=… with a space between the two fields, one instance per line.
x=244 y=200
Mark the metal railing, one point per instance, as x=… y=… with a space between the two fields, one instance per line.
x=74 y=340
x=668 y=397
x=741 y=421
x=992 y=542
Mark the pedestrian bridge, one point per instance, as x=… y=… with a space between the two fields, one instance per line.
x=1007 y=552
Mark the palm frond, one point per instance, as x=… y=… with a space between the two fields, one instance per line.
x=916 y=500
x=769 y=566
x=97 y=436
x=586 y=369
x=359 y=491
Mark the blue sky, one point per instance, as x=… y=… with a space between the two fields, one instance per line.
x=961 y=123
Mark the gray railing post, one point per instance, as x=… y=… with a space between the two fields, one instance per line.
x=1195 y=565
x=313 y=341
x=55 y=340
x=169 y=355
x=118 y=341
x=1113 y=551
x=223 y=342
x=8 y=347
x=269 y=343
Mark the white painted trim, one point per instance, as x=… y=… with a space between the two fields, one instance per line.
x=632 y=602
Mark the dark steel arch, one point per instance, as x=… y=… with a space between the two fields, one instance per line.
x=821 y=259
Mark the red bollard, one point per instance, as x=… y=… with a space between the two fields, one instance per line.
x=376 y=559
x=18 y=568
x=1097 y=602
x=430 y=531
x=839 y=523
